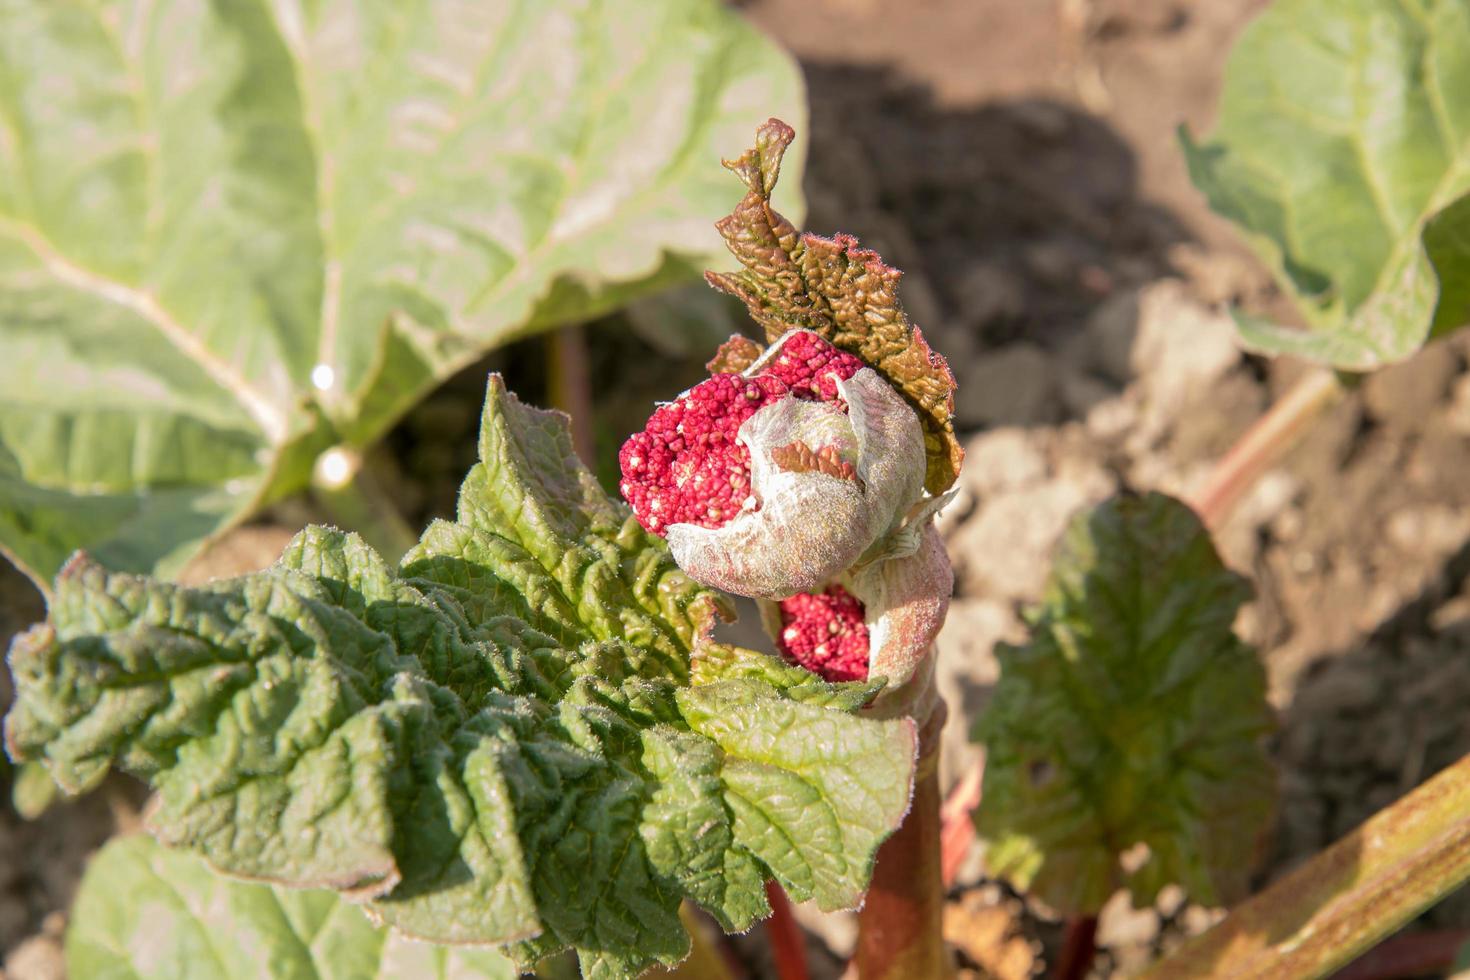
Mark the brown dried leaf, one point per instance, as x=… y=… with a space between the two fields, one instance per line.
x=838 y=290
x=734 y=356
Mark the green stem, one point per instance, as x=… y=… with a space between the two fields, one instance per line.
x=1330 y=910
x=355 y=501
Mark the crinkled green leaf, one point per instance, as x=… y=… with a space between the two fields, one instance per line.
x=1343 y=150
x=1133 y=716
x=232 y=234
x=32 y=790
x=498 y=742
x=146 y=911
x=793 y=780
x=718 y=661
x=836 y=289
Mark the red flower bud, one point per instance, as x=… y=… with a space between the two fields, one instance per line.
x=825 y=633
x=880 y=620
x=776 y=481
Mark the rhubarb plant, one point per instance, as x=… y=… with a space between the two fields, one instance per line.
x=523 y=734
x=806 y=473
x=236 y=236
x=1343 y=152
x=1132 y=724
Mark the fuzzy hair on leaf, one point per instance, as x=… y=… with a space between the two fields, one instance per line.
x=512 y=737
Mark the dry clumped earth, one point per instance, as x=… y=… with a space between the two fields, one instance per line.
x=1016 y=158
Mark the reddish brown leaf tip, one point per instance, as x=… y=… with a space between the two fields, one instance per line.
x=798 y=457
x=842 y=292
x=735 y=354
x=760 y=166
x=75 y=566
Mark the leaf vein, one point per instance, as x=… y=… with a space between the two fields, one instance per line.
x=145 y=305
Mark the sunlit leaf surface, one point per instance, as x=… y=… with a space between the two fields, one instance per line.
x=234 y=234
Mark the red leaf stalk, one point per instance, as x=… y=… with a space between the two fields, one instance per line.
x=787 y=945
x=1265 y=442
x=1078 y=949
x=900 y=928
x=957 y=818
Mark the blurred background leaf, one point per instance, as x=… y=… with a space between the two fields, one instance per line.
x=232 y=236
x=147 y=911
x=688 y=322
x=1124 y=741
x=1343 y=151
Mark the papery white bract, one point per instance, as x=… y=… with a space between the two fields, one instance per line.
x=810 y=524
x=835 y=462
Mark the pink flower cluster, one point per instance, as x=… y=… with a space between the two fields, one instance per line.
x=826 y=633
x=687 y=466
x=811 y=367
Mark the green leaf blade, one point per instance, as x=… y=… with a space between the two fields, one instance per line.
x=1132 y=717
x=147 y=911
x=1343 y=151
x=238 y=234
x=499 y=742
x=813 y=795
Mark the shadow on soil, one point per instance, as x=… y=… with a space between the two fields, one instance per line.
x=1011 y=219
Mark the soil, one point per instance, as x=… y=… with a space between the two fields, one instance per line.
x=1018 y=159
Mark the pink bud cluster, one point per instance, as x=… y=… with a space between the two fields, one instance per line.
x=811 y=367
x=687 y=467
x=826 y=633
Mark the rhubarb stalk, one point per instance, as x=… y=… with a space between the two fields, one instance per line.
x=900 y=927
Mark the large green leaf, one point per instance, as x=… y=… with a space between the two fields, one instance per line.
x=1343 y=149
x=233 y=234
x=145 y=912
x=1133 y=716
x=502 y=741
